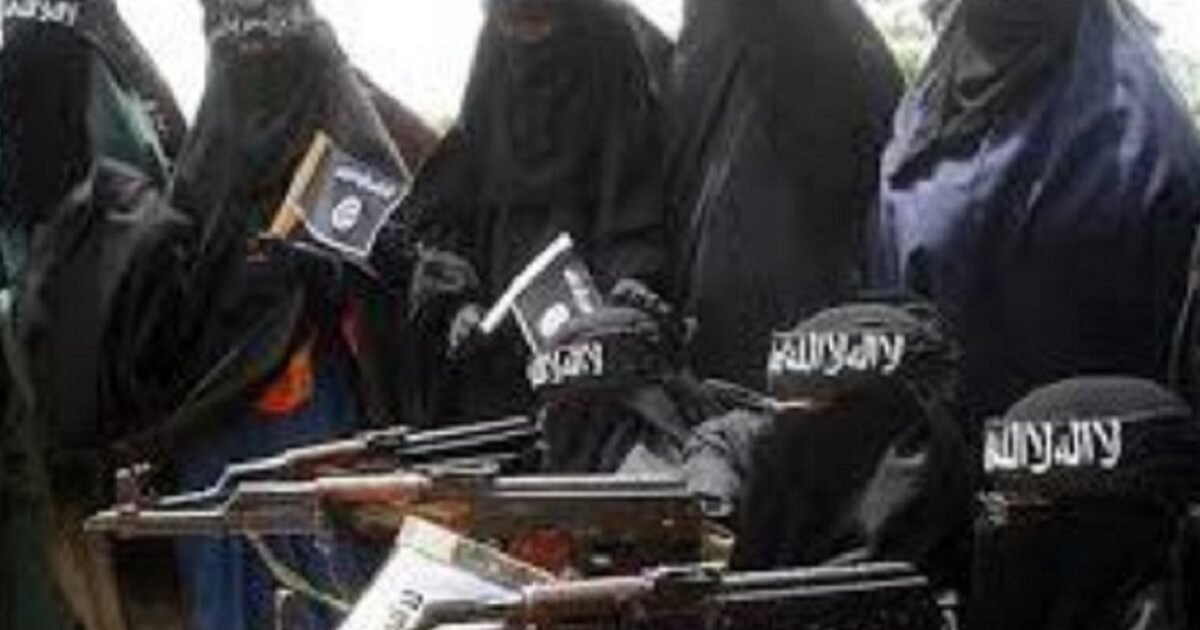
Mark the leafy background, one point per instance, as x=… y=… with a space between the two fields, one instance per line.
x=904 y=24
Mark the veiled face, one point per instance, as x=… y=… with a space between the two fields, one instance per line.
x=526 y=21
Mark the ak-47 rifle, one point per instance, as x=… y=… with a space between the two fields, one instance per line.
x=595 y=524
x=511 y=445
x=864 y=597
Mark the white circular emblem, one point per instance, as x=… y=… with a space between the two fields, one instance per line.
x=553 y=319
x=346 y=214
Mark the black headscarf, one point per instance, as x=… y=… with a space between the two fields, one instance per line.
x=863 y=460
x=994 y=56
x=613 y=395
x=556 y=135
x=560 y=131
x=1088 y=479
x=779 y=110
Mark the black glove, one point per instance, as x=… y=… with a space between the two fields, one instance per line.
x=465 y=334
x=439 y=276
x=633 y=293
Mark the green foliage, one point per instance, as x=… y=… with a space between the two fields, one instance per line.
x=910 y=36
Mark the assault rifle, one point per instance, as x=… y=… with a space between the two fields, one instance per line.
x=596 y=524
x=511 y=445
x=866 y=597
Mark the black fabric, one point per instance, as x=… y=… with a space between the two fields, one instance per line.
x=562 y=134
x=861 y=345
x=718 y=460
x=271 y=87
x=609 y=392
x=1184 y=368
x=85 y=236
x=1076 y=541
x=1041 y=189
x=779 y=111
x=135 y=69
x=89 y=305
x=1096 y=565
x=609 y=430
x=876 y=470
x=1109 y=436
x=132 y=92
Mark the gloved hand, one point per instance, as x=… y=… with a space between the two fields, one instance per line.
x=633 y=293
x=466 y=333
x=439 y=275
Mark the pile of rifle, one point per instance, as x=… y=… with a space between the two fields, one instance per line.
x=612 y=534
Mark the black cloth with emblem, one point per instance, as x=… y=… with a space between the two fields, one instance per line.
x=560 y=131
x=612 y=396
x=863 y=460
x=1086 y=486
x=779 y=111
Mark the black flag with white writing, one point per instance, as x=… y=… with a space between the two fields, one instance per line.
x=342 y=202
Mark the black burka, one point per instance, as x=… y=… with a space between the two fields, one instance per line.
x=878 y=476
x=562 y=134
x=262 y=107
x=276 y=78
x=779 y=111
x=85 y=234
x=1042 y=189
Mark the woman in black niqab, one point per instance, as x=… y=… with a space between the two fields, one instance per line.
x=270 y=362
x=560 y=131
x=780 y=110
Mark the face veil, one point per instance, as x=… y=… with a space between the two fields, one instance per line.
x=1080 y=522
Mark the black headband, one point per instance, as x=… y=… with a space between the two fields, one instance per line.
x=237 y=20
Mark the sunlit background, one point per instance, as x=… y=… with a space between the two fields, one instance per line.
x=421 y=50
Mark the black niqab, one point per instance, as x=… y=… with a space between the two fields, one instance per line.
x=558 y=135
x=876 y=469
x=276 y=77
x=1065 y=542
x=780 y=110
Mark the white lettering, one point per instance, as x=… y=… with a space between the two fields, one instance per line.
x=65 y=12
x=581 y=360
x=836 y=353
x=377 y=186
x=256 y=18
x=1040 y=447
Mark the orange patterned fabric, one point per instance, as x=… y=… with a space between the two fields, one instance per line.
x=294 y=386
